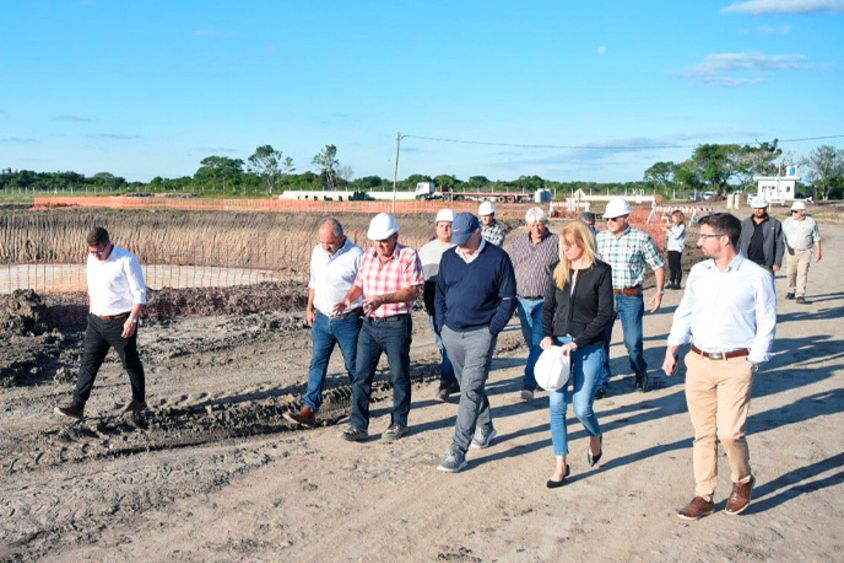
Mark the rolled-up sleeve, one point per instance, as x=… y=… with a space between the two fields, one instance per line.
x=137 y=285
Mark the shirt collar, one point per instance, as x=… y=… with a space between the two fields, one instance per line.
x=462 y=254
x=342 y=250
x=735 y=264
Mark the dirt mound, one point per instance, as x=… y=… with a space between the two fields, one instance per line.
x=23 y=314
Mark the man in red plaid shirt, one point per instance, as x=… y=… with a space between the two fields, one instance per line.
x=389 y=279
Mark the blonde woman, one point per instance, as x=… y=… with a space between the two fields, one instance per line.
x=577 y=310
x=675 y=236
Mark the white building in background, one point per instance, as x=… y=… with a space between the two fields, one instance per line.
x=778 y=189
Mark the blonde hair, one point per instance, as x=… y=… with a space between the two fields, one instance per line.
x=581 y=235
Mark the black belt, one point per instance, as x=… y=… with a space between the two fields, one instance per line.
x=119 y=316
x=721 y=355
x=390 y=319
x=358 y=312
x=540 y=298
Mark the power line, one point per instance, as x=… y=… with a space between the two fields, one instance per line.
x=594 y=147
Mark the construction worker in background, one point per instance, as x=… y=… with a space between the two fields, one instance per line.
x=430 y=254
x=491 y=230
x=801 y=236
x=761 y=238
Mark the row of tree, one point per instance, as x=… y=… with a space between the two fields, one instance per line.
x=718 y=168
x=725 y=168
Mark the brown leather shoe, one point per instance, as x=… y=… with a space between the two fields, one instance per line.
x=72 y=410
x=698 y=508
x=740 y=497
x=305 y=417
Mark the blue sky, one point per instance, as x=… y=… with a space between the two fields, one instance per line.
x=144 y=89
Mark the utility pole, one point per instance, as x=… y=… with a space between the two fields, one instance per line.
x=396 y=170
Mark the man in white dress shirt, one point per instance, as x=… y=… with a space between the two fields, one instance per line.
x=117 y=294
x=728 y=314
x=334 y=266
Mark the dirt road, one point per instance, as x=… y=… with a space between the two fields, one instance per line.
x=215 y=473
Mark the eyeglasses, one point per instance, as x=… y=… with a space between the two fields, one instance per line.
x=614 y=219
x=713 y=235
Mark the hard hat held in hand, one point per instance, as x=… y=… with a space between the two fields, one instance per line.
x=382 y=227
x=552 y=369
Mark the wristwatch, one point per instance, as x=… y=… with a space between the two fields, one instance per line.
x=133 y=320
x=661 y=291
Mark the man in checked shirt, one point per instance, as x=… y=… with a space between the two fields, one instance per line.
x=628 y=251
x=389 y=279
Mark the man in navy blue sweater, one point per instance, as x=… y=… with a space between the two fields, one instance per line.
x=476 y=296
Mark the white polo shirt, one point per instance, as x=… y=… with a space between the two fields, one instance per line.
x=332 y=276
x=116 y=283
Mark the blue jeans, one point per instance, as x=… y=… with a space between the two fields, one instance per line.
x=391 y=336
x=586 y=366
x=447 y=377
x=324 y=335
x=530 y=317
x=631 y=309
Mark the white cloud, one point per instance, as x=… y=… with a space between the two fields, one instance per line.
x=742 y=69
x=602 y=49
x=115 y=137
x=768 y=30
x=72 y=118
x=759 y=7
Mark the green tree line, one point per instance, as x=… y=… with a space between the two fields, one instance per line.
x=711 y=167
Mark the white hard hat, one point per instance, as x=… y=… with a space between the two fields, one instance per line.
x=617 y=207
x=444 y=215
x=486 y=208
x=382 y=227
x=798 y=205
x=552 y=369
x=757 y=202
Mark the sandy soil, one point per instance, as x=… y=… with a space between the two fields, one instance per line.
x=214 y=473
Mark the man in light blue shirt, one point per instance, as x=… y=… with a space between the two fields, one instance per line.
x=728 y=315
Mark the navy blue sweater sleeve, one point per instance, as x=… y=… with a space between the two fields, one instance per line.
x=507 y=294
x=439 y=295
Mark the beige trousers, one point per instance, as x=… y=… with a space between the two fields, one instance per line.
x=718 y=397
x=797 y=271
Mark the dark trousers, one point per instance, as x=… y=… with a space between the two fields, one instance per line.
x=99 y=337
x=675 y=271
x=391 y=336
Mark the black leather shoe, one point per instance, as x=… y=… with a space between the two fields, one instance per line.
x=594 y=459
x=551 y=484
x=600 y=393
x=642 y=383
x=789 y=296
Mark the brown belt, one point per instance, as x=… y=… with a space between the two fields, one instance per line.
x=721 y=355
x=634 y=291
x=120 y=316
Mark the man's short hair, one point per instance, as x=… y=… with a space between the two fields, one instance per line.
x=336 y=227
x=97 y=236
x=724 y=223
